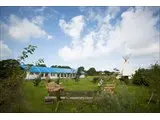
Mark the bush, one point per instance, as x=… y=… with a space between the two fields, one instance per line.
x=120 y=102
x=149 y=77
x=125 y=79
x=154 y=79
x=36 y=82
x=11 y=81
x=77 y=78
x=141 y=77
x=95 y=80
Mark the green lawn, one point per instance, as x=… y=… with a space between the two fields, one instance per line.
x=84 y=84
x=34 y=97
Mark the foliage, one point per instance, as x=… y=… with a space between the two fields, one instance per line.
x=108 y=72
x=114 y=103
x=28 y=50
x=59 y=66
x=91 y=72
x=42 y=65
x=11 y=82
x=96 y=80
x=79 y=73
x=141 y=77
x=40 y=62
x=36 y=81
x=154 y=80
x=29 y=65
x=124 y=79
x=122 y=101
x=149 y=77
x=80 y=70
x=77 y=78
x=115 y=69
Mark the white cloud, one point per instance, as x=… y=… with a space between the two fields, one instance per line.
x=38 y=20
x=113 y=11
x=5 y=51
x=135 y=33
x=23 y=29
x=74 y=27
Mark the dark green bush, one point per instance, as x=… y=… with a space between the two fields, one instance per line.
x=149 y=77
x=125 y=79
x=95 y=80
x=141 y=77
x=11 y=82
x=36 y=82
x=154 y=79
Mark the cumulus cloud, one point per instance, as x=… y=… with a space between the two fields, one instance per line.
x=5 y=51
x=24 y=29
x=135 y=33
x=74 y=27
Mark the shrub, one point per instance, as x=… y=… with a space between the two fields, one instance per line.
x=95 y=80
x=141 y=77
x=119 y=102
x=36 y=82
x=149 y=77
x=125 y=80
x=77 y=78
x=154 y=79
x=11 y=81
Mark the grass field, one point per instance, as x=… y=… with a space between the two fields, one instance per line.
x=34 y=97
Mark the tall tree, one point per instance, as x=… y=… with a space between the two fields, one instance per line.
x=92 y=71
x=59 y=66
x=42 y=65
x=107 y=72
x=79 y=71
x=116 y=70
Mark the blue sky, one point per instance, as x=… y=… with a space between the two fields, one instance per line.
x=82 y=36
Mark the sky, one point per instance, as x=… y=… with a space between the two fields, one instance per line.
x=82 y=36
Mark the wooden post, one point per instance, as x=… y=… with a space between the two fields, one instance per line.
x=150 y=98
x=58 y=92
